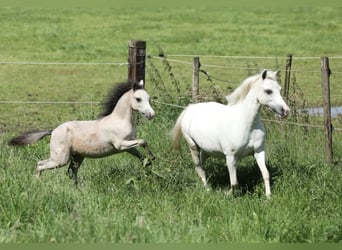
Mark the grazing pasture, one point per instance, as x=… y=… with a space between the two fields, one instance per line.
x=119 y=200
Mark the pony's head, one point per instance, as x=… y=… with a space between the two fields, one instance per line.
x=265 y=88
x=140 y=100
x=268 y=93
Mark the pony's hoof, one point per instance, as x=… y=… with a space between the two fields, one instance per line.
x=233 y=192
x=228 y=193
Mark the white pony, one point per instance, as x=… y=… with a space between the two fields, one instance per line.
x=113 y=133
x=234 y=130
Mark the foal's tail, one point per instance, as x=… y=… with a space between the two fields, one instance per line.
x=29 y=137
x=177 y=132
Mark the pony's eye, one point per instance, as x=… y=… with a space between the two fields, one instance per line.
x=268 y=91
x=138 y=99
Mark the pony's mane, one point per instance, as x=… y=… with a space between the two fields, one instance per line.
x=242 y=91
x=114 y=96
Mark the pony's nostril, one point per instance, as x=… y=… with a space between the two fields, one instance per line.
x=284 y=112
x=150 y=115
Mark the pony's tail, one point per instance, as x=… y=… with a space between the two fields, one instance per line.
x=29 y=137
x=177 y=132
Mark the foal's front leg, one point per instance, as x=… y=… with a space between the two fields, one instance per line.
x=130 y=145
x=75 y=163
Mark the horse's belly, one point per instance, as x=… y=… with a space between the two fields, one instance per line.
x=94 y=150
x=230 y=144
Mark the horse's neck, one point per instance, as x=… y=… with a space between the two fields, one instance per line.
x=123 y=108
x=250 y=109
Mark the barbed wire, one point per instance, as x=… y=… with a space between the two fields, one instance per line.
x=254 y=57
x=67 y=63
x=170 y=60
x=48 y=102
x=267 y=120
x=241 y=67
x=166 y=104
x=181 y=62
x=209 y=76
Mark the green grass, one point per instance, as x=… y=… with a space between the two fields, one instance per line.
x=120 y=201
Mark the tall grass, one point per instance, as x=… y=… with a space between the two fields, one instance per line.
x=118 y=200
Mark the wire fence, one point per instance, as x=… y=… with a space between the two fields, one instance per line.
x=214 y=68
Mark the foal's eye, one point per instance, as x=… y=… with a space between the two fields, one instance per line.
x=268 y=91
x=138 y=99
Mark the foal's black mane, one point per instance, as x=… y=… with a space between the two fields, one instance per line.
x=115 y=94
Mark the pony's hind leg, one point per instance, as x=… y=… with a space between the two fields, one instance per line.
x=196 y=157
x=75 y=163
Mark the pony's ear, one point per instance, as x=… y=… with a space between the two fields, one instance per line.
x=139 y=85
x=277 y=73
x=264 y=74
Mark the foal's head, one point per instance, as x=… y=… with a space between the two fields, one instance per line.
x=268 y=93
x=140 y=100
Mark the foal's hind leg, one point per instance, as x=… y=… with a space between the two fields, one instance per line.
x=58 y=158
x=75 y=163
x=48 y=164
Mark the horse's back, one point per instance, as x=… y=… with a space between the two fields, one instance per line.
x=204 y=110
x=67 y=132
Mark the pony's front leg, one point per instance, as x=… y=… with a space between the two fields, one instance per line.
x=231 y=165
x=260 y=159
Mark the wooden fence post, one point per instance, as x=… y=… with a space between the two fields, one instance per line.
x=195 y=80
x=287 y=76
x=326 y=107
x=136 y=60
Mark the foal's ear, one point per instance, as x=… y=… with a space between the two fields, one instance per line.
x=139 y=85
x=264 y=74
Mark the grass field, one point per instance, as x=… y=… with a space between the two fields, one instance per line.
x=120 y=201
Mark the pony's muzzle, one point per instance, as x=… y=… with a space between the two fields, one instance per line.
x=284 y=112
x=150 y=115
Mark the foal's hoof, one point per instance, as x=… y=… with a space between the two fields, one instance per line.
x=70 y=173
x=36 y=174
x=146 y=162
